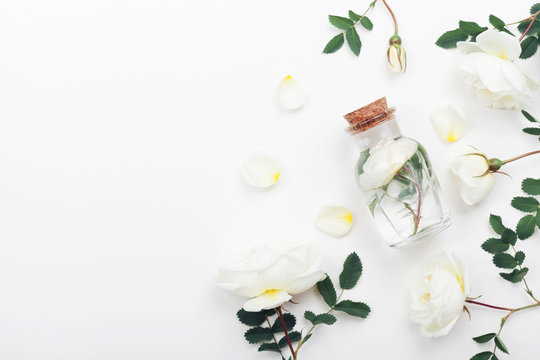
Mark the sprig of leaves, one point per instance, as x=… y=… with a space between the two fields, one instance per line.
x=535 y=131
x=469 y=30
x=349 y=33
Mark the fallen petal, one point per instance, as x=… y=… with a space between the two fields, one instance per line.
x=290 y=94
x=334 y=220
x=448 y=123
x=260 y=170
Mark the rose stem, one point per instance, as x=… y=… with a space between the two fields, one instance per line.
x=521 y=156
x=529 y=27
x=520 y=21
x=273 y=335
x=393 y=17
x=278 y=309
x=418 y=208
x=487 y=305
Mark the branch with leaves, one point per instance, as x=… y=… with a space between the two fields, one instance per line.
x=535 y=131
x=266 y=326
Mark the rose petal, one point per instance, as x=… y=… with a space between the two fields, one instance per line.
x=500 y=44
x=472 y=195
x=334 y=220
x=467 y=47
x=290 y=94
x=304 y=282
x=260 y=170
x=268 y=300
x=448 y=123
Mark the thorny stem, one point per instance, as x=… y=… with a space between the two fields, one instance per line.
x=278 y=309
x=530 y=25
x=393 y=17
x=313 y=327
x=273 y=335
x=521 y=156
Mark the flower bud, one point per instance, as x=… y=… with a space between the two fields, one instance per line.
x=495 y=164
x=397 y=59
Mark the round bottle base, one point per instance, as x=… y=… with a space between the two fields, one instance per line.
x=424 y=234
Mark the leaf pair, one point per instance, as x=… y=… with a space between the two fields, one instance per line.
x=350 y=34
x=531 y=130
x=486 y=355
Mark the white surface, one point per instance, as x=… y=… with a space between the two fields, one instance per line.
x=122 y=127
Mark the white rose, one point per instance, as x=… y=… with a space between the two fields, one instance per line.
x=492 y=73
x=384 y=161
x=269 y=274
x=438 y=294
x=475 y=181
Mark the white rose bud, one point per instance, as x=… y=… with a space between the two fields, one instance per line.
x=396 y=56
x=472 y=169
x=438 y=294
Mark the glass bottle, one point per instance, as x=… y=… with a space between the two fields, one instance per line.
x=394 y=172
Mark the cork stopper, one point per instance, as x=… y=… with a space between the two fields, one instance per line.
x=369 y=116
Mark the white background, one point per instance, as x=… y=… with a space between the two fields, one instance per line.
x=122 y=127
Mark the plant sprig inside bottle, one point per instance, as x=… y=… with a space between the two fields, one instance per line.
x=395 y=55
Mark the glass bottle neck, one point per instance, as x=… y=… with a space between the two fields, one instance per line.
x=369 y=138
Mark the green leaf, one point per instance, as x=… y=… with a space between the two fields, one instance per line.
x=364 y=155
x=289 y=319
x=340 y=22
x=532 y=131
x=538 y=218
x=327 y=291
x=529 y=45
x=269 y=347
x=366 y=23
x=327 y=319
x=528 y=116
x=334 y=44
x=482 y=356
x=499 y=343
x=531 y=186
x=520 y=257
x=306 y=338
x=515 y=276
x=535 y=8
x=250 y=318
x=258 y=334
x=294 y=336
x=471 y=28
x=504 y=261
x=484 y=338
x=535 y=27
x=525 y=227
x=493 y=357
x=353 y=308
x=525 y=204
x=509 y=237
x=496 y=224
x=496 y=22
x=352 y=270
x=353 y=40
x=449 y=39
x=354 y=16
x=495 y=246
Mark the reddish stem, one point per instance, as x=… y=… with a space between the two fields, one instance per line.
x=278 y=309
x=487 y=305
x=529 y=27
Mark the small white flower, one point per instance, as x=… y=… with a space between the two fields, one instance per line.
x=260 y=170
x=290 y=94
x=448 y=122
x=492 y=73
x=472 y=170
x=270 y=274
x=397 y=58
x=334 y=221
x=438 y=293
x=384 y=161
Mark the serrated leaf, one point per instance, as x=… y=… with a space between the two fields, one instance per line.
x=499 y=343
x=449 y=39
x=294 y=336
x=482 y=356
x=509 y=237
x=353 y=308
x=334 y=44
x=515 y=276
x=537 y=217
x=327 y=290
x=525 y=204
x=535 y=27
x=258 y=334
x=495 y=246
x=340 y=22
x=354 y=16
x=290 y=322
x=366 y=23
x=494 y=357
x=327 y=319
x=525 y=227
x=528 y=116
x=250 y=318
x=353 y=40
x=496 y=22
x=520 y=257
x=531 y=186
x=529 y=45
x=471 y=28
x=352 y=270
x=535 y=8
x=496 y=224
x=532 y=131
x=306 y=338
x=269 y=347
x=484 y=338
x=310 y=315
x=504 y=261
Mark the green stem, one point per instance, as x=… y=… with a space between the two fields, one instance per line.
x=293 y=353
x=273 y=335
x=527 y=289
x=521 y=156
x=520 y=21
x=393 y=17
